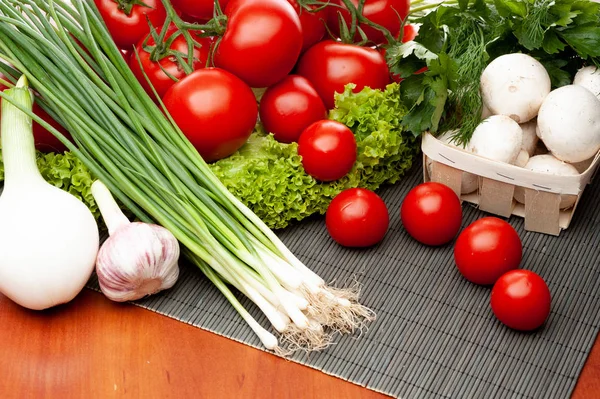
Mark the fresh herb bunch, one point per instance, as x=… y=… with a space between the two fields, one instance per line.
x=457 y=40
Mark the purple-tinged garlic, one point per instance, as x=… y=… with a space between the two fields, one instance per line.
x=138 y=259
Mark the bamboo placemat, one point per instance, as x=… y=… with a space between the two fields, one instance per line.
x=435 y=335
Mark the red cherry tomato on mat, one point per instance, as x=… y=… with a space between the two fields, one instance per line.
x=328 y=150
x=289 y=107
x=357 y=218
x=521 y=300
x=431 y=213
x=486 y=250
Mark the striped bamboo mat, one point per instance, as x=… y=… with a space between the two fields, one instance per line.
x=435 y=335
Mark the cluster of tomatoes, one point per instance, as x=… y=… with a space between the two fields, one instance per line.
x=488 y=252
x=285 y=50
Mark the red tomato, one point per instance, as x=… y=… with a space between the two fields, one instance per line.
x=410 y=32
x=521 y=300
x=262 y=41
x=43 y=139
x=155 y=70
x=289 y=107
x=202 y=10
x=328 y=150
x=127 y=29
x=331 y=65
x=313 y=24
x=486 y=250
x=214 y=109
x=431 y=213
x=357 y=218
x=387 y=13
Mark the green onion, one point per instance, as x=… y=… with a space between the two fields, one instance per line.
x=121 y=135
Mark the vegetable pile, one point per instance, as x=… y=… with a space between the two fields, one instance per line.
x=147 y=141
x=214 y=121
x=268 y=176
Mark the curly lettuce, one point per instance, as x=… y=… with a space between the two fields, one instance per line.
x=268 y=176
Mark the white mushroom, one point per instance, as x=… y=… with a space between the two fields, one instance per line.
x=589 y=77
x=515 y=85
x=549 y=164
x=530 y=138
x=498 y=138
x=569 y=123
x=485 y=112
x=522 y=159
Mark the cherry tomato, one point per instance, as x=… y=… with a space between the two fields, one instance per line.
x=128 y=28
x=387 y=13
x=154 y=70
x=431 y=213
x=521 y=300
x=289 y=107
x=214 y=109
x=262 y=41
x=486 y=250
x=328 y=150
x=331 y=65
x=43 y=139
x=357 y=218
x=313 y=24
x=410 y=32
x=201 y=10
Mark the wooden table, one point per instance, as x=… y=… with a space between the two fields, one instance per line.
x=94 y=348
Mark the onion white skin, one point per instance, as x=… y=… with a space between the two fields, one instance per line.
x=551 y=165
x=49 y=239
x=49 y=244
x=589 y=77
x=569 y=123
x=515 y=85
x=469 y=181
x=498 y=138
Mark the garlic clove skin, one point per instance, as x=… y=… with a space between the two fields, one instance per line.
x=137 y=260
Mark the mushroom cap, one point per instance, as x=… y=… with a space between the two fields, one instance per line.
x=569 y=123
x=515 y=85
x=498 y=138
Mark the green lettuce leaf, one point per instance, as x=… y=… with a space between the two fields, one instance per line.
x=268 y=176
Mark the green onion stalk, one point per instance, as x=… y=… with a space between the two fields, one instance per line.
x=81 y=79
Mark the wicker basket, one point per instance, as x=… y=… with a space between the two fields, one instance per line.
x=496 y=183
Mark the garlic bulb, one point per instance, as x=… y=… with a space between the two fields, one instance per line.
x=138 y=259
